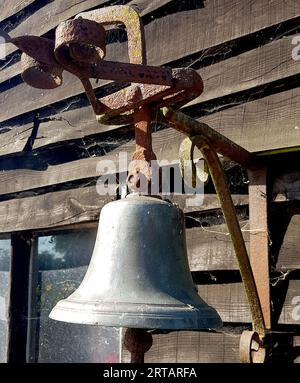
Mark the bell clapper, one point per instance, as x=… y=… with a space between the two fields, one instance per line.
x=137 y=342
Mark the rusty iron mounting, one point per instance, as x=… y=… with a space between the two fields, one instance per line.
x=254 y=269
x=80 y=49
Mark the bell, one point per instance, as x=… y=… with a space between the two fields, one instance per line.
x=139 y=275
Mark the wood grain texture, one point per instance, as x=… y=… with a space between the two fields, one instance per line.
x=51 y=210
x=201 y=347
x=209 y=246
x=10 y=7
x=256 y=67
x=195 y=30
x=256 y=126
x=191 y=347
x=268 y=123
x=22 y=179
x=230 y=302
x=289 y=254
x=232 y=305
x=69 y=207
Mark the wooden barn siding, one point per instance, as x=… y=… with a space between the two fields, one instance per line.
x=199 y=347
x=251 y=95
x=9 y=8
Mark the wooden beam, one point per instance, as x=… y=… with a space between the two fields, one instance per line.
x=232 y=305
x=258 y=125
x=9 y=7
x=259 y=239
x=18 y=304
x=61 y=208
x=209 y=246
x=289 y=253
x=51 y=210
x=256 y=67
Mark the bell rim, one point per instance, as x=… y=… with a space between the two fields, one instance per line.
x=158 y=316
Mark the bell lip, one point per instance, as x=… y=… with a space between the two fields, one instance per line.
x=161 y=317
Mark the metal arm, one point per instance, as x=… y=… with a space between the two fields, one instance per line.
x=251 y=346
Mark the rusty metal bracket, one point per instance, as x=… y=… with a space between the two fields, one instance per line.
x=254 y=272
x=251 y=349
x=79 y=48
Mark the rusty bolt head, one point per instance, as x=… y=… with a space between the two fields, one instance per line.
x=40 y=75
x=85 y=38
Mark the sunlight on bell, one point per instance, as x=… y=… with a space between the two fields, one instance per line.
x=139 y=275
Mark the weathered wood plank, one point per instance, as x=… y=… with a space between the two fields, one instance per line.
x=191 y=347
x=191 y=27
x=289 y=254
x=257 y=67
x=201 y=347
x=210 y=247
x=241 y=124
x=232 y=305
x=256 y=125
x=57 y=208
x=71 y=124
x=51 y=210
x=230 y=302
x=265 y=124
x=10 y=7
x=159 y=33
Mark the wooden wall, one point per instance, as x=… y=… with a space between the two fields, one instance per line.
x=51 y=143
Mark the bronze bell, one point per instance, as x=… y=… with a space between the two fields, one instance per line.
x=139 y=275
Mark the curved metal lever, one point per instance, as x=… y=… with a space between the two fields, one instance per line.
x=223 y=193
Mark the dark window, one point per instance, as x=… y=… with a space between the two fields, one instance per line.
x=59 y=263
x=5 y=248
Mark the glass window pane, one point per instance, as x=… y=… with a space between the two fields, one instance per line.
x=62 y=261
x=4 y=296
